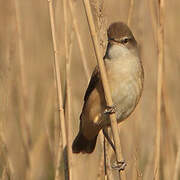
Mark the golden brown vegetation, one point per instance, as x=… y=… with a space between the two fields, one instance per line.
x=47 y=56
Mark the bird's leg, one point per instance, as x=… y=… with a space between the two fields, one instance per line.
x=110 y=109
x=120 y=166
x=108 y=138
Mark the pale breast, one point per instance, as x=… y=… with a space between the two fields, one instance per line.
x=125 y=80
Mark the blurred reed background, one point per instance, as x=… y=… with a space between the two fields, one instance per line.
x=31 y=145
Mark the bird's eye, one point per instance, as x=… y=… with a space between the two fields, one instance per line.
x=125 y=40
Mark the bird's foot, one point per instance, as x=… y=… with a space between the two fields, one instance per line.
x=120 y=166
x=110 y=109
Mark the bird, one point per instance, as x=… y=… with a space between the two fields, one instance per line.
x=125 y=76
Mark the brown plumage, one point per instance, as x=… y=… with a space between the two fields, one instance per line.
x=125 y=76
x=117 y=30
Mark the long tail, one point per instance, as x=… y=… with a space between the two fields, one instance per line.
x=81 y=144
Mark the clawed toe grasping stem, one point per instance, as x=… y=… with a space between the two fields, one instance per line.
x=110 y=109
x=120 y=166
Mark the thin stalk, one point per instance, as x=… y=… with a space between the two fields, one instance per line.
x=168 y=163
x=47 y=108
x=160 y=45
x=81 y=48
x=68 y=111
x=25 y=131
x=153 y=20
x=107 y=157
x=5 y=102
x=108 y=98
x=8 y=168
x=23 y=119
x=59 y=93
x=130 y=12
x=177 y=164
x=101 y=171
x=67 y=60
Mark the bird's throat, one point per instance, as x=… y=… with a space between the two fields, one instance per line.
x=116 y=51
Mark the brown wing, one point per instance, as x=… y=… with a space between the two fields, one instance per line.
x=93 y=82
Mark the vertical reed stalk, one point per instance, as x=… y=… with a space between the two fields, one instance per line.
x=68 y=108
x=23 y=119
x=59 y=94
x=168 y=161
x=153 y=20
x=102 y=169
x=47 y=129
x=160 y=45
x=67 y=60
x=5 y=174
x=25 y=132
x=81 y=48
x=177 y=164
x=8 y=167
x=130 y=12
x=108 y=98
x=101 y=23
x=107 y=157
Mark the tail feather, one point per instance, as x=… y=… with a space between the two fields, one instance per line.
x=82 y=144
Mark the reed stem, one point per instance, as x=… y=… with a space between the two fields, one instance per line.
x=108 y=98
x=160 y=45
x=59 y=94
